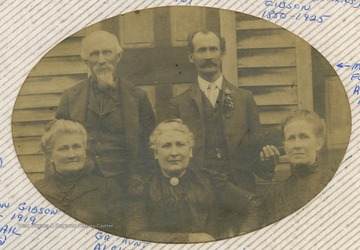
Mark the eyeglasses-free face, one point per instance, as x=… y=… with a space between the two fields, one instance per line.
x=301 y=144
x=173 y=153
x=69 y=153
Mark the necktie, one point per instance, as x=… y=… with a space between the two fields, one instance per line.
x=212 y=93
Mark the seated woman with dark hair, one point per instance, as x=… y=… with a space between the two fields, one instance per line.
x=304 y=135
x=177 y=204
x=67 y=184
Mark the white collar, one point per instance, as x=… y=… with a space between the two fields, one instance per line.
x=204 y=85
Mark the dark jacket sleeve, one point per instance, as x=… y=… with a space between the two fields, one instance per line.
x=253 y=116
x=262 y=170
x=172 y=110
x=63 y=110
x=147 y=125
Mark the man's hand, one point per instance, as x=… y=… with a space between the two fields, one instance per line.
x=270 y=155
x=269 y=158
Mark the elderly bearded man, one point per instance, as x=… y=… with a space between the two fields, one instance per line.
x=117 y=115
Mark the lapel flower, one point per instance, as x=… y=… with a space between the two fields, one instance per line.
x=228 y=103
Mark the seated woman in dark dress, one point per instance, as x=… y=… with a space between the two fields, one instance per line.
x=177 y=204
x=304 y=135
x=67 y=185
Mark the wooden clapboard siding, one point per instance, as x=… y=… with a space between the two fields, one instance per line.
x=268 y=59
x=26 y=129
x=248 y=22
x=50 y=84
x=267 y=66
x=27 y=146
x=267 y=76
x=265 y=38
x=256 y=58
x=275 y=95
x=34 y=115
x=68 y=47
x=37 y=101
x=254 y=24
x=274 y=114
x=33 y=163
x=59 y=66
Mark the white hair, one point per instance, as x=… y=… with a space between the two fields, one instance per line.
x=96 y=35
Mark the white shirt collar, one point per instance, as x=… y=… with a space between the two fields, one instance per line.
x=204 y=85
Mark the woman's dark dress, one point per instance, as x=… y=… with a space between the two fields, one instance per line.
x=81 y=196
x=303 y=185
x=161 y=212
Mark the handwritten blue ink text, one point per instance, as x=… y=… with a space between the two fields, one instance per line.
x=183 y=1
x=37 y=210
x=125 y=243
x=278 y=11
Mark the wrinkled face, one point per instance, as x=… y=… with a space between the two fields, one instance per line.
x=102 y=59
x=173 y=152
x=207 y=56
x=301 y=144
x=69 y=153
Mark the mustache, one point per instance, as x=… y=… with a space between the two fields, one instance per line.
x=106 y=67
x=208 y=63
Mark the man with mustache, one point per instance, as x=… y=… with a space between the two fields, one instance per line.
x=223 y=118
x=117 y=115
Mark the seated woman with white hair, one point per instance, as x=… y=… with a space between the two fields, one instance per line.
x=67 y=185
x=177 y=204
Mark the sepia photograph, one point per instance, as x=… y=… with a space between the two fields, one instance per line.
x=184 y=124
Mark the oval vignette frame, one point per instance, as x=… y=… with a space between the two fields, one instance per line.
x=282 y=71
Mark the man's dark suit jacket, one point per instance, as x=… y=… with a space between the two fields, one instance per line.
x=137 y=116
x=241 y=129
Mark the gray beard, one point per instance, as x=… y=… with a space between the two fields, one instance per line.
x=105 y=80
x=105 y=76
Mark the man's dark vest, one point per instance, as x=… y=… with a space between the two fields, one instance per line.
x=216 y=152
x=106 y=138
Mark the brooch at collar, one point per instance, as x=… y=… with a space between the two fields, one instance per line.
x=228 y=104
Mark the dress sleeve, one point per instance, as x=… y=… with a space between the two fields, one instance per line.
x=255 y=216
x=234 y=198
x=229 y=196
